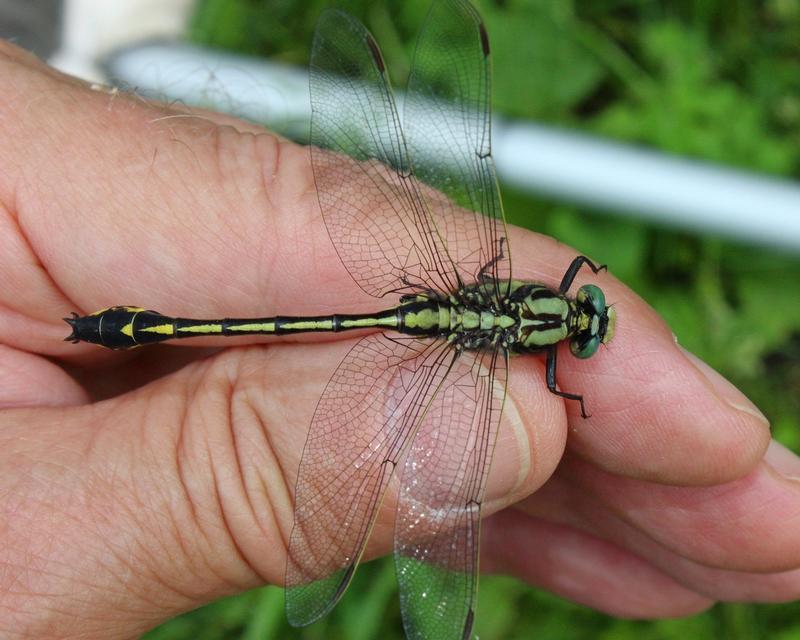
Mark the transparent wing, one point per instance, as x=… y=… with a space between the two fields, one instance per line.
x=447 y=124
x=371 y=202
x=443 y=484
x=363 y=423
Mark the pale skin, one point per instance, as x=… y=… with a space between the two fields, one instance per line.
x=176 y=488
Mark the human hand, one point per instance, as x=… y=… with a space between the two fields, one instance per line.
x=142 y=484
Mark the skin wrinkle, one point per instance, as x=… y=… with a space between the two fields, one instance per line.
x=641 y=437
x=130 y=554
x=728 y=585
x=311 y=214
x=133 y=563
x=187 y=197
x=235 y=158
x=587 y=508
x=711 y=590
x=222 y=148
x=12 y=214
x=174 y=165
x=270 y=162
x=181 y=455
x=236 y=392
x=579 y=506
x=697 y=506
x=184 y=194
x=573 y=481
x=217 y=134
x=176 y=525
x=695 y=604
x=576 y=516
x=287 y=493
x=220 y=512
x=272 y=516
x=567 y=583
x=229 y=393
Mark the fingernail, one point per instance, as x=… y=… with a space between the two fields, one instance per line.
x=724 y=389
x=512 y=459
x=783 y=460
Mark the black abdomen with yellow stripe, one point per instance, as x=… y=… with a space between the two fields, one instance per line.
x=528 y=317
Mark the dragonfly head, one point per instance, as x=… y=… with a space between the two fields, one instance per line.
x=596 y=322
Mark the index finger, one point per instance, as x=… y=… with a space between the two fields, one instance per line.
x=122 y=202
x=657 y=412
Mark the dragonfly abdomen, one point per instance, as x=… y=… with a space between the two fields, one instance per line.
x=125 y=327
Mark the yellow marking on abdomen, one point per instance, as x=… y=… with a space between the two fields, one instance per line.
x=308 y=325
x=262 y=327
x=202 y=328
x=131 y=309
x=165 y=329
x=369 y=322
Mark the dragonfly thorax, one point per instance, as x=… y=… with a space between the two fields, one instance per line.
x=547 y=317
x=523 y=317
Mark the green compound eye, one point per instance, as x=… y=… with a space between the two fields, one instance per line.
x=600 y=321
x=585 y=350
x=594 y=295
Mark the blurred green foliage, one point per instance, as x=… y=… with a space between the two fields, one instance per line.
x=710 y=79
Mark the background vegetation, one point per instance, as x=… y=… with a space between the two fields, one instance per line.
x=710 y=79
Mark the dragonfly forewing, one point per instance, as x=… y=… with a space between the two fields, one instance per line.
x=371 y=202
x=447 y=123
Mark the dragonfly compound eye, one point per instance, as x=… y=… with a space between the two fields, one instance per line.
x=593 y=296
x=597 y=320
x=585 y=345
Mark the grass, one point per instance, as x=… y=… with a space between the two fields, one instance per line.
x=710 y=79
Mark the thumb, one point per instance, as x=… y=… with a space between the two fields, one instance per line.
x=181 y=492
x=531 y=440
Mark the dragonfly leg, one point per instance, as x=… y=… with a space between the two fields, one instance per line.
x=551 y=381
x=419 y=290
x=572 y=271
x=482 y=275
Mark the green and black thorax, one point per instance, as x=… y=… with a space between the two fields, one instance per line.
x=527 y=318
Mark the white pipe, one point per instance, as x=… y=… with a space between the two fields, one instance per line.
x=575 y=167
x=666 y=189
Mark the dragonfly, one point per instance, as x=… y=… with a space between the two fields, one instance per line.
x=413 y=209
